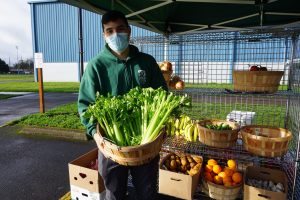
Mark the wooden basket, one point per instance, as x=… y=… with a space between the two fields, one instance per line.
x=218 y=138
x=130 y=155
x=256 y=81
x=266 y=141
x=167 y=75
x=221 y=192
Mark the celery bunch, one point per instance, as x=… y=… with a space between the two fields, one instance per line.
x=136 y=117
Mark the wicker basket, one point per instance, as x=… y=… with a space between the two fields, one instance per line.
x=266 y=140
x=256 y=81
x=218 y=138
x=221 y=192
x=130 y=155
x=167 y=75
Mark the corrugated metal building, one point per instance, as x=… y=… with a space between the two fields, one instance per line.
x=55 y=33
x=208 y=57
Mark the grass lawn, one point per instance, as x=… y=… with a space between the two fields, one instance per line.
x=13 y=77
x=7 y=96
x=66 y=116
x=60 y=117
x=33 y=87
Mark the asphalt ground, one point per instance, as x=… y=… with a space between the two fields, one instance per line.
x=17 y=107
x=36 y=168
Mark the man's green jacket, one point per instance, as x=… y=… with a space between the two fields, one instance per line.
x=106 y=73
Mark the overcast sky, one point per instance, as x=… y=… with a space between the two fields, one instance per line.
x=15 y=30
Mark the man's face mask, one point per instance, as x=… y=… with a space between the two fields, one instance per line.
x=118 y=42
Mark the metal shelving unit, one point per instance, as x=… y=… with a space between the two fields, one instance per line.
x=205 y=62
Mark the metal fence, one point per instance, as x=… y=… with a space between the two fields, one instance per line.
x=206 y=61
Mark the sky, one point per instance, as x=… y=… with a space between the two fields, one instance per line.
x=15 y=30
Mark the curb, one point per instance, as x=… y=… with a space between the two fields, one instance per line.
x=55 y=132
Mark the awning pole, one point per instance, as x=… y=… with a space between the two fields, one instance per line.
x=80 y=42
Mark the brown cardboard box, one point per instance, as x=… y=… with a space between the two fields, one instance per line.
x=265 y=174
x=177 y=184
x=83 y=179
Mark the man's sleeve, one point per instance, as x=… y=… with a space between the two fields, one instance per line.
x=89 y=85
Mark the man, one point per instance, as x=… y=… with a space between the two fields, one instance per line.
x=117 y=69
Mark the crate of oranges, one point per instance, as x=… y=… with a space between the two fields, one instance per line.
x=222 y=182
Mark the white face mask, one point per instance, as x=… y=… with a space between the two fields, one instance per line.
x=118 y=42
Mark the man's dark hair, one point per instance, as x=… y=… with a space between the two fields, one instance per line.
x=113 y=15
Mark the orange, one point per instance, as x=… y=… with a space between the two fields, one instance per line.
x=208 y=168
x=231 y=164
x=228 y=184
x=218 y=180
x=212 y=162
x=222 y=174
x=227 y=179
x=237 y=177
x=228 y=171
x=208 y=177
x=217 y=169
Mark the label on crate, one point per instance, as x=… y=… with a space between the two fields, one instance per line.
x=78 y=193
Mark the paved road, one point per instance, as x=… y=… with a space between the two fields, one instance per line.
x=17 y=107
x=35 y=168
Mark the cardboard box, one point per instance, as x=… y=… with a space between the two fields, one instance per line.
x=85 y=181
x=78 y=193
x=243 y=118
x=265 y=174
x=177 y=184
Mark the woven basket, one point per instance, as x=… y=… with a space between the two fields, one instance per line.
x=266 y=140
x=221 y=192
x=218 y=138
x=256 y=81
x=167 y=75
x=130 y=155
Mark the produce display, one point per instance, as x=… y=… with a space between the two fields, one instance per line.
x=183 y=126
x=136 y=117
x=185 y=164
x=227 y=176
x=221 y=126
x=267 y=185
x=176 y=83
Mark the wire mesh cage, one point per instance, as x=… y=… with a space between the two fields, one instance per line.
x=206 y=62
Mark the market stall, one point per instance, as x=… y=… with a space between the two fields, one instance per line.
x=244 y=90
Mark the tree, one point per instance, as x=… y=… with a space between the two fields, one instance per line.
x=25 y=65
x=4 y=68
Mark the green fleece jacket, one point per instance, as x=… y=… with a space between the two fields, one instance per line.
x=106 y=73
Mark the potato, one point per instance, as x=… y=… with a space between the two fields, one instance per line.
x=183 y=161
x=167 y=163
x=178 y=162
x=193 y=172
x=183 y=168
x=197 y=167
x=190 y=159
x=173 y=165
x=172 y=157
x=192 y=164
x=197 y=159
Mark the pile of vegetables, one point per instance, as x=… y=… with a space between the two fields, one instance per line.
x=221 y=126
x=136 y=117
x=185 y=164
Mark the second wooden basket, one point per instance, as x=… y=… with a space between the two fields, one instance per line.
x=256 y=81
x=130 y=155
x=218 y=138
x=266 y=141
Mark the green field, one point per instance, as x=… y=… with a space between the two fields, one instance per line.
x=65 y=116
x=16 y=77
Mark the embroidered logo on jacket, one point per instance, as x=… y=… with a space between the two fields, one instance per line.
x=142 y=77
